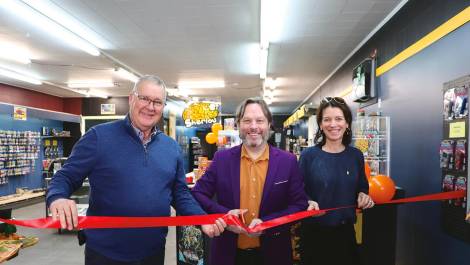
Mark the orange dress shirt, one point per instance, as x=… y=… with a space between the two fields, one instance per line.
x=252 y=177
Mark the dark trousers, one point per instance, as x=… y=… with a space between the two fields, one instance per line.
x=94 y=258
x=248 y=257
x=325 y=245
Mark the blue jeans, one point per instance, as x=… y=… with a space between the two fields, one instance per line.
x=94 y=258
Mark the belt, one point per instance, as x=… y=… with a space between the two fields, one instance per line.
x=248 y=250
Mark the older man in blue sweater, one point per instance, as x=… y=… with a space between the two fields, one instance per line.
x=134 y=170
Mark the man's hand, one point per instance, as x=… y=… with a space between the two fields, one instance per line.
x=238 y=213
x=364 y=201
x=216 y=229
x=313 y=205
x=66 y=211
x=253 y=223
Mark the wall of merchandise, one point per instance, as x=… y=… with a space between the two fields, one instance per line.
x=21 y=151
x=453 y=156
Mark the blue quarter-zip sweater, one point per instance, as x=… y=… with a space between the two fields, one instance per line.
x=126 y=179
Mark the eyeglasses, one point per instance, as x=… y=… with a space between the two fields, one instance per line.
x=338 y=100
x=146 y=100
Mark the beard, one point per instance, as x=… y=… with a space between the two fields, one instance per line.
x=257 y=142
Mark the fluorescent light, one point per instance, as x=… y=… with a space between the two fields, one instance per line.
x=172 y=91
x=183 y=93
x=271 y=20
x=202 y=84
x=91 y=93
x=32 y=12
x=272 y=16
x=264 y=26
x=68 y=21
x=263 y=63
x=96 y=93
x=20 y=77
x=268 y=93
x=85 y=84
x=268 y=101
x=270 y=82
x=126 y=74
x=13 y=53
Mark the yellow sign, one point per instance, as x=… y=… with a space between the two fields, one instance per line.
x=200 y=113
x=19 y=113
x=457 y=129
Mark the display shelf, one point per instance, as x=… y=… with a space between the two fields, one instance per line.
x=371 y=135
x=19 y=151
x=54 y=137
x=453 y=153
x=195 y=151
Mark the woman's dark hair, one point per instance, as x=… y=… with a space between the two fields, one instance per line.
x=334 y=102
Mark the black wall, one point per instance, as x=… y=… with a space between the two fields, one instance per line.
x=92 y=106
x=411 y=95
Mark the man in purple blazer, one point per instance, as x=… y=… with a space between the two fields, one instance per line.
x=255 y=182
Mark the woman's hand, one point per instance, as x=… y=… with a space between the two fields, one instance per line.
x=313 y=205
x=364 y=201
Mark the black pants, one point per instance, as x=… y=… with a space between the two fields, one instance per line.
x=94 y=258
x=324 y=245
x=248 y=257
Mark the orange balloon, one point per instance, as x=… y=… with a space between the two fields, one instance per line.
x=381 y=188
x=216 y=127
x=367 y=170
x=211 y=138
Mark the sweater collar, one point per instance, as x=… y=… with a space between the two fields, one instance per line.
x=137 y=133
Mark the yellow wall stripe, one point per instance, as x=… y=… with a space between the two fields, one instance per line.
x=441 y=31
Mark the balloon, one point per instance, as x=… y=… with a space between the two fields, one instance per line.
x=216 y=127
x=211 y=138
x=381 y=188
x=367 y=170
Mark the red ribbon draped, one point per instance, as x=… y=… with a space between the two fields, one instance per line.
x=139 y=222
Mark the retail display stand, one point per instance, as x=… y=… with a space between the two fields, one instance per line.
x=453 y=157
x=371 y=135
x=376 y=228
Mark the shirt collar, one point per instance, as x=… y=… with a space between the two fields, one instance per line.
x=263 y=156
x=141 y=134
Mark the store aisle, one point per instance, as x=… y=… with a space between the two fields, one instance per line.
x=54 y=248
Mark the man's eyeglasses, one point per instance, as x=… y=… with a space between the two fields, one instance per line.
x=338 y=100
x=146 y=100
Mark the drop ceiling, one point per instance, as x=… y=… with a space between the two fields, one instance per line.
x=181 y=40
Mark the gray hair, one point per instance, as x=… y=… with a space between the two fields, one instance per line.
x=264 y=107
x=152 y=79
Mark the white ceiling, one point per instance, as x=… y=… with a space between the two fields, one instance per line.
x=198 y=40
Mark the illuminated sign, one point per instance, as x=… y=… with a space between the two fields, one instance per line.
x=201 y=113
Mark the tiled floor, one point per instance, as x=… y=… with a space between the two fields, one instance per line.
x=63 y=249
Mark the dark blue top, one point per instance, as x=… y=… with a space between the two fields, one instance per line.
x=332 y=180
x=126 y=179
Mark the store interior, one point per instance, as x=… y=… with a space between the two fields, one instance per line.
x=412 y=54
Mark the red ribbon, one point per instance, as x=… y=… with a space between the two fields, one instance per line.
x=139 y=222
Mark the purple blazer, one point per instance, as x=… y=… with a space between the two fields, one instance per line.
x=218 y=191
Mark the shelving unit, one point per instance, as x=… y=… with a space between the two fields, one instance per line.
x=195 y=151
x=371 y=135
x=454 y=157
x=19 y=151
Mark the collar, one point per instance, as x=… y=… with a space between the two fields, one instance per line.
x=137 y=132
x=263 y=156
x=141 y=134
